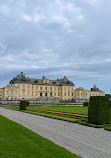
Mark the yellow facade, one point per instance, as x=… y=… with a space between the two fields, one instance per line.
x=1 y=93
x=22 y=87
x=83 y=94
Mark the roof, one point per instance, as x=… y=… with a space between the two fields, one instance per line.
x=21 y=78
x=80 y=89
x=95 y=89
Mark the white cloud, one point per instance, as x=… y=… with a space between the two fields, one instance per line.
x=26 y=17
x=5 y=10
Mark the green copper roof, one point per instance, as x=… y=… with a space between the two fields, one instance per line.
x=21 y=78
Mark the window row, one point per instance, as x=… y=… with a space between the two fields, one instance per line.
x=47 y=88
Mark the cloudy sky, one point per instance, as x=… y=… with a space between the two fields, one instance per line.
x=58 y=38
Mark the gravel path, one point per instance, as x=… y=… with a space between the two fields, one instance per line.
x=87 y=142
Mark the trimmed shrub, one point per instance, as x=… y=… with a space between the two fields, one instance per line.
x=110 y=103
x=85 y=104
x=23 y=105
x=107 y=128
x=27 y=103
x=99 y=110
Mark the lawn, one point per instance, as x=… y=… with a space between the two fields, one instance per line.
x=17 y=141
x=69 y=109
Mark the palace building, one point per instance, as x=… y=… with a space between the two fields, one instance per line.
x=81 y=94
x=23 y=87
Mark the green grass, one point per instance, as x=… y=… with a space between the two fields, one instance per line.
x=69 y=109
x=108 y=128
x=17 y=141
x=74 y=120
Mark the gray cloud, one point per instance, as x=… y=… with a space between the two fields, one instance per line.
x=57 y=38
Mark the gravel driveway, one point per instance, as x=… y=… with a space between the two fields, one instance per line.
x=87 y=142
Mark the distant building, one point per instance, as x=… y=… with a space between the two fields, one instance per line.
x=23 y=87
x=81 y=94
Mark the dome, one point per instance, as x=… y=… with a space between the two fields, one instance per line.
x=95 y=89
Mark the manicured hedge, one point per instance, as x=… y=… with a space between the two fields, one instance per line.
x=85 y=104
x=110 y=103
x=27 y=103
x=23 y=105
x=99 y=110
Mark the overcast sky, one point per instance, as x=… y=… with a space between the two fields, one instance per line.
x=58 y=38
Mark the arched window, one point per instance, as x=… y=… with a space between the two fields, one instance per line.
x=36 y=81
x=41 y=94
x=50 y=94
x=46 y=94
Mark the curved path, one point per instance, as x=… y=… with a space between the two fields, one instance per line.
x=87 y=142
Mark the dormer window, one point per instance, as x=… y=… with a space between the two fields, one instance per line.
x=36 y=81
x=23 y=79
x=45 y=81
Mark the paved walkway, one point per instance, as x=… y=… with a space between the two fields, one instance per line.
x=87 y=142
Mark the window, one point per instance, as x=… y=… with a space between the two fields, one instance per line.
x=72 y=94
x=46 y=94
x=7 y=92
x=46 y=88
x=40 y=88
x=68 y=93
x=36 y=88
x=23 y=87
x=54 y=93
x=32 y=93
x=64 y=88
x=0 y=93
x=28 y=93
x=32 y=87
x=51 y=94
x=54 y=88
x=51 y=88
x=68 y=88
x=36 y=81
x=65 y=94
x=36 y=93
x=23 y=93
x=41 y=94
x=72 y=88
x=28 y=87
x=11 y=92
